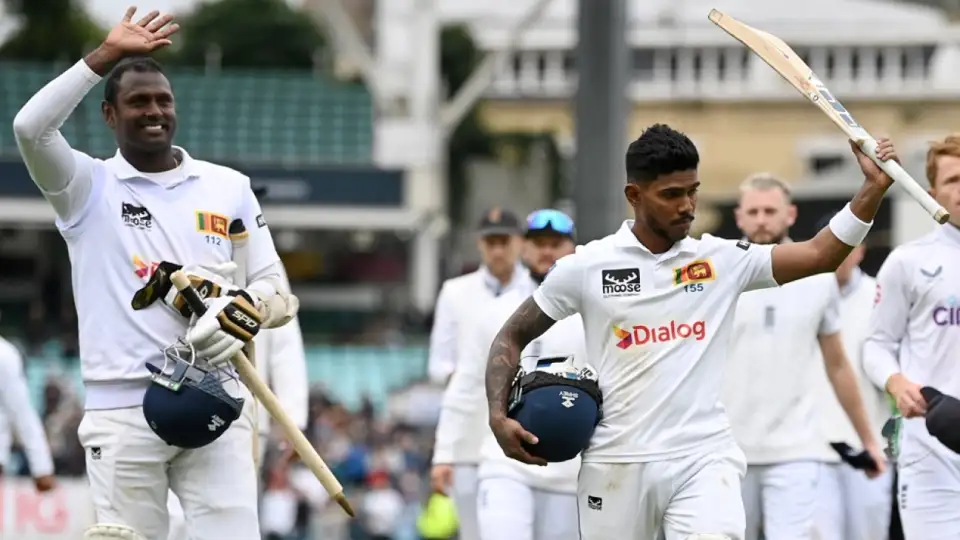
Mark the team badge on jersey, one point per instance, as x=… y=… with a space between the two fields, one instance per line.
x=210 y=223
x=696 y=272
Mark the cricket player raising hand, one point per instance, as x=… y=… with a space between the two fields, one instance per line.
x=121 y=217
x=657 y=309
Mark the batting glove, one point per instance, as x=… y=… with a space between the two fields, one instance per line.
x=230 y=322
x=209 y=281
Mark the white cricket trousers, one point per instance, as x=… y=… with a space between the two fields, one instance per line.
x=178 y=522
x=131 y=472
x=667 y=500
x=781 y=500
x=851 y=506
x=464 y=495
x=510 y=509
x=928 y=494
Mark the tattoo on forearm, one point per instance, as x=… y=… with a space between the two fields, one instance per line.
x=526 y=324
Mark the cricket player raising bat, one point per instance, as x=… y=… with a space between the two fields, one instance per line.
x=152 y=205
x=915 y=343
x=657 y=309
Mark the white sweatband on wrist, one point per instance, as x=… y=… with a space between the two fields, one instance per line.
x=848 y=228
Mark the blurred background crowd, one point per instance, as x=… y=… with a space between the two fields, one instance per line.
x=383 y=129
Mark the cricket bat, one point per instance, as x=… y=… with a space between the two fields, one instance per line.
x=795 y=71
x=238 y=240
x=249 y=376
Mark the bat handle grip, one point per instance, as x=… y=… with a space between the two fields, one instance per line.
x=905 y=181
x=190 y=295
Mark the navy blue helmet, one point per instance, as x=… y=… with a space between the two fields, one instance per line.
x=185 y=405
x=558 y=403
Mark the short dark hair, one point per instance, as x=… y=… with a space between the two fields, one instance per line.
x=660 y=150
x=138 y=64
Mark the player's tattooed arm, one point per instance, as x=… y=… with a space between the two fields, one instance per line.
x=526 y=324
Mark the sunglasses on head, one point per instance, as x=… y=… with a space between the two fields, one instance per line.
x=550 y=220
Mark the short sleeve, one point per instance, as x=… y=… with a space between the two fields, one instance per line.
x=560 y=295
x=262 y=252
x=830 y=323
x=752 y=263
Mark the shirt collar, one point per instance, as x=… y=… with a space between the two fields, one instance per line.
x=625 y=238
x=493 y=284
x=125 y=171
x=950 y=232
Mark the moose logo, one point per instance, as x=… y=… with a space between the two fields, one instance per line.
x=620 y=282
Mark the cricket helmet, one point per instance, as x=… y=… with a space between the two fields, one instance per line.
x=186 y=405
x=558 y=403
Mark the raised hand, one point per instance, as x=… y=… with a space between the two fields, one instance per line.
x=873 y=173
x=148 y=34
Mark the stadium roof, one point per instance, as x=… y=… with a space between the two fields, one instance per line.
x=779 y=13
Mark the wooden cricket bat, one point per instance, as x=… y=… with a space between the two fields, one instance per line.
x=238 y=240
x=795 y=71
x=249 y=376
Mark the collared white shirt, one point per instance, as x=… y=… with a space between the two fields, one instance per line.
x=915 y=325
x=775 y=366
x=129 y=223
x=461 y=306
x=657 y=329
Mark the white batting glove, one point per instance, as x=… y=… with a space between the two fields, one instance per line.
x=230 y=322
x=209 y=281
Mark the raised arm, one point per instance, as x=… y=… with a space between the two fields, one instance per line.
x=825 y=251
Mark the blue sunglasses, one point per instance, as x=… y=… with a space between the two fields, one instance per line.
x=550 y=220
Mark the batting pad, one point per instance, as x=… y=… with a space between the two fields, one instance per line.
x=108 y=531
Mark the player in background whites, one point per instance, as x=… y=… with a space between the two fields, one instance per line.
x=516 y=500
x=144 y=203
x=282 y=364
x=463 y=416
x=663 y=461
x=914 y=342
x=783 y=338
x=852 y=506
x=18 y=416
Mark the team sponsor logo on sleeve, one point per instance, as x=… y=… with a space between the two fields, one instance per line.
x=210 y=223
x=877 y=296
x=744 y=244
x=696 y=272
x=261 y=223
x=620 y=282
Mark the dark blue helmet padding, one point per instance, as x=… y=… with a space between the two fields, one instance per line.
x=943 y=417
x=560 y=411
x=188 y=408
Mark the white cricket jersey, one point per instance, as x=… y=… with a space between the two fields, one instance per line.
x=282 y=364
x=19 y=414
x=657 y=331
x=119 y=223
x=915 y=325
x=564 y=339
x=463 y=412
x=856 y=301
x=775 y=363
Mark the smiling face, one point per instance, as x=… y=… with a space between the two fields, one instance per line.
x=141 y=111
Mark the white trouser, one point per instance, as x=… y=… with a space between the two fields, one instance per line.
x=464 y=495
x=507 y=508
x=781 y=500
x=131 y=472
x=929 y=497
x=851 y=506
x=670 y=499
x=178 y=522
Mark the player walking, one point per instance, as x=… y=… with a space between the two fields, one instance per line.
x=852 y=506
x=516 y=500
x=657 y=310
x=770 y=388
x=914 y=342
x=18 y=413
x=151 y=202
x=452 y=359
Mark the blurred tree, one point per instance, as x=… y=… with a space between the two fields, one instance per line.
x=249 y=33
x=51 y=30
x=459 y=56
